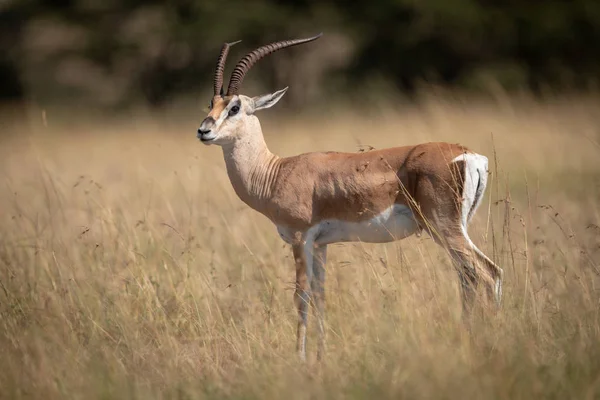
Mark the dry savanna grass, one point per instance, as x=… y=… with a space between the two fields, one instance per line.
x=129 y=268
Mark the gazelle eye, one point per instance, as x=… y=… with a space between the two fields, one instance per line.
x=234 y=110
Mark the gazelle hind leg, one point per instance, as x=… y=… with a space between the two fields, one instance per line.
x=475 y=182
x=469 y=262
x=494 y=271
x=445 y=216
x=473 y=272
x=467 y=278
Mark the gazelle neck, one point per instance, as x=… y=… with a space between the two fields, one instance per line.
x=251 y=167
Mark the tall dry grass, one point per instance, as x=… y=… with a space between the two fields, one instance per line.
x=129 y=269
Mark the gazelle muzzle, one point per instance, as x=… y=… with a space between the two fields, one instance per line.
x=205 y=131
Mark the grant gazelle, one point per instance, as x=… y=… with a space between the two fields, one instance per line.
x=379 y=196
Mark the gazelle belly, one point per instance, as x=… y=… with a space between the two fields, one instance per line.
x=397 y=222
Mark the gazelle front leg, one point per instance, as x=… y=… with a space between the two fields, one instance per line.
x=318 y=292
x=302 y=293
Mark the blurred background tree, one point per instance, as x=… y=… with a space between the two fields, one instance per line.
x=116 y=53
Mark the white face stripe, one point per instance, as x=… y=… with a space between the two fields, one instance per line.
x=234 y=101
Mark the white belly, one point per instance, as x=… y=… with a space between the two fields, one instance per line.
x=397 y=222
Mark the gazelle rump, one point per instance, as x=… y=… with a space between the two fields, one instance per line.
x=316 y=199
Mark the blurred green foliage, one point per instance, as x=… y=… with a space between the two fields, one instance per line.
x=115 y=53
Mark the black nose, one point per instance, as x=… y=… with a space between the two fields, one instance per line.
x=206 y=126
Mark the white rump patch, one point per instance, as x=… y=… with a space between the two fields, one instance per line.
x=476 y=172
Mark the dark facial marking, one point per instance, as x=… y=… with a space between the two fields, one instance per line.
x=234 y=109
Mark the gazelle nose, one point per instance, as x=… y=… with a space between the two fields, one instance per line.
x=206 y=126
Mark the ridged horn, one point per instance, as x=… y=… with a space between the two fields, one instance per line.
x=221 y=67
x=244 y=65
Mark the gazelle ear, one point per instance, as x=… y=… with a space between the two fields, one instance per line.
x=268 y=100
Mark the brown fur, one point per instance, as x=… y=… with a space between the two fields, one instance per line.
x=357 y=186
x=218 y=105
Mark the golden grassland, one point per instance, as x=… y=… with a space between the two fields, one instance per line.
x=129 y=268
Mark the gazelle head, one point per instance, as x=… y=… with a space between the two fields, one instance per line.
x=231 y=113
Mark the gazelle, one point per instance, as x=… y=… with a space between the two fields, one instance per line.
x=316 y=199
